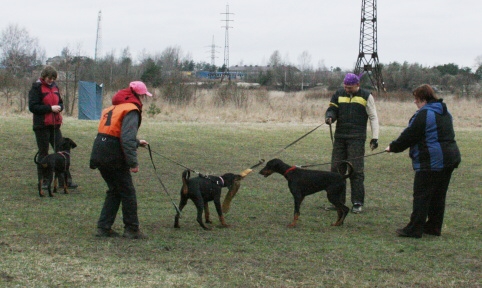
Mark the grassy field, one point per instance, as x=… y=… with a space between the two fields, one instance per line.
x=49 y=242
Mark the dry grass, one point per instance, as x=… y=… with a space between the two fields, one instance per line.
x=260 y=106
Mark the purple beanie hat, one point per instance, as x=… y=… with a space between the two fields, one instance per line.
x=352 y=79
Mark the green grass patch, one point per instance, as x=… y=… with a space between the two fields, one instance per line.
x=46 y=242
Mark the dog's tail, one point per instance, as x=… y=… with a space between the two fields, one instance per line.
x=185 y=177
x=349 y=169
x=35 y=158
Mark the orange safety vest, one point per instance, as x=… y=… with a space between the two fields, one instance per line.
x=111 y=119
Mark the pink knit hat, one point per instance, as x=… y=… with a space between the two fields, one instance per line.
x=140 y=88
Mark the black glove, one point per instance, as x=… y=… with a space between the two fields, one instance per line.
x=374 y=144
x=328 y=120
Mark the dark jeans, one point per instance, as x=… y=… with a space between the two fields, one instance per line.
x=121 y=190
x=352 y=150
x=44 y=137
x=429 y=193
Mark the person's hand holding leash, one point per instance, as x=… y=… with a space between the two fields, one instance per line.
x=374 y=144
x=143 y=143
x=135 y=169
x=328 y=120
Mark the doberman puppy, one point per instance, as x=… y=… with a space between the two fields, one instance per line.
x=303 y=182
x=203 y=189
x=56 y=163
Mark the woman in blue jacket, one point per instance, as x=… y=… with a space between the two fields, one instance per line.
x=434 y=152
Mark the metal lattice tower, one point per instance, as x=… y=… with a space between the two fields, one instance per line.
x=226 y=41
x=213 y=53
x=367 y=54
x=98 y=40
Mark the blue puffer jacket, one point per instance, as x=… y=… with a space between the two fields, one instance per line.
x=431 y=138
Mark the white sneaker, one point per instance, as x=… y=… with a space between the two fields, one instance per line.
x=357 y=208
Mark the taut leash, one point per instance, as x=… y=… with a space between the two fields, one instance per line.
x=294 y=142
x=347 y=160
x=160 y=181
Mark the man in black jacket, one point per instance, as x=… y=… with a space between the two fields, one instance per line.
x=351 y=107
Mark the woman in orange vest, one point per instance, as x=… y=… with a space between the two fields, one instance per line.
x=114 y=153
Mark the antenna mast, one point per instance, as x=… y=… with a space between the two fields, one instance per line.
x=367 y=54
x=226 y=43
x=98 y=41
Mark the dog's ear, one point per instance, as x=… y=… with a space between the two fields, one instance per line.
x=72 y=143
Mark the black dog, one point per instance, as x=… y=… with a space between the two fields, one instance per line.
x=57 y=163
x=303 y=182
x=203 y=189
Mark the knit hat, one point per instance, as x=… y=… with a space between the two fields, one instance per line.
x=351 y=79
x=140 y=88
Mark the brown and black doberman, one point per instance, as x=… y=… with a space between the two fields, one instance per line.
x=55 y=165
x=203 y=189
x=303 y=182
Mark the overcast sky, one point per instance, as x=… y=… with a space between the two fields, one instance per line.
x=428 y=32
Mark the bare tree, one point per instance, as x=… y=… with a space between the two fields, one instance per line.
x=19 y=52
x=305 y=65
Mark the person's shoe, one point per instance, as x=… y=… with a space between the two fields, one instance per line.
x=72 y=185
x=357 y=208
x=101 y=232
x=330 y=208
x=402 y=233
x=131 y=234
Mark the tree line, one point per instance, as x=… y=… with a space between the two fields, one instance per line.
x=21 y=59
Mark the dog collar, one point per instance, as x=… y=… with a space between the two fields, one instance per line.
x=289 y=170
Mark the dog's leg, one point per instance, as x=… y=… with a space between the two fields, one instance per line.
x=199 y=202
x=40 y=191
x=66 y=185
x=206 y=213
x=50 y=179
x=342 y=212
x=334 y=195
x=182 y=203
x=217 y=203
x=56 y=177
x=295 y=219
x=298 y=199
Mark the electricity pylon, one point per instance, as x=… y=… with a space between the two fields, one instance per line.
x=367 y=54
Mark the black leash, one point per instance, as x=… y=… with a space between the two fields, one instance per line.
x=160 y=181
x=347 y=160
x=294 y=142
x=331 y=135
x=169 y=159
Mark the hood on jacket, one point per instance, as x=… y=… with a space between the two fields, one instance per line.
x=436 y=106
x=126 y=96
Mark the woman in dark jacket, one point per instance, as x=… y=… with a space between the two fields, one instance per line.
x=434 y=152
x=45 y=103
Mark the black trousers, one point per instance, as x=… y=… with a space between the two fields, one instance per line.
x=45 y=137
x=121 y=191
x=352 y=150
x=429 y=194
